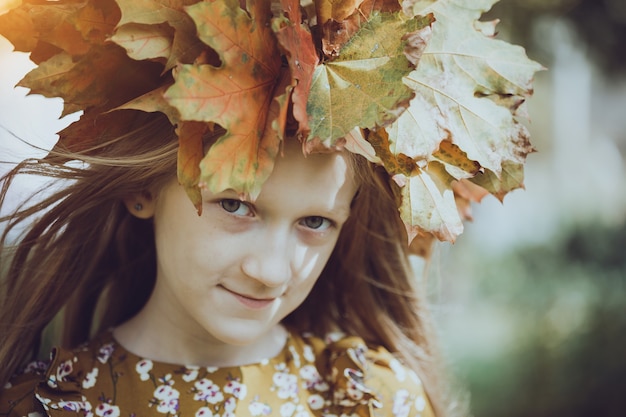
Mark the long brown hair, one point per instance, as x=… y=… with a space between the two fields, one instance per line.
x=82 y=245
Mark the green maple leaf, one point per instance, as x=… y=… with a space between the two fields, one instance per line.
x=364 y=86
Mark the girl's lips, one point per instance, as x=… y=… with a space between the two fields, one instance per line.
x=252 y=303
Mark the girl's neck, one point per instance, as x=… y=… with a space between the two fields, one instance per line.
x=142 y=337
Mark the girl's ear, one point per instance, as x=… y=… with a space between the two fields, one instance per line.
x=140 y=205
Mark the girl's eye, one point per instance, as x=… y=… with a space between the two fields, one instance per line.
x=236 y=207
x=316 y=222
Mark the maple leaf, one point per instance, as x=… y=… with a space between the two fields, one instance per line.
x=455 y=161
x=96 y=20
x=190 y=153
x=337 y=10
x=244 y=165
x=17 y=26
x=474 y=65
x=91 y=80
x=295 y=40
x=145 y=41
x=395 y=163
x=237 y=95
x=341 y=19
x=357 y=144
x=462 y=124
x=364 y=86
x=435 y=103
x=428 y=204
x=184 y=45
x=154 y=101
x=511 y=177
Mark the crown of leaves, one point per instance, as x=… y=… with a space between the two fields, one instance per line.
x=420 y=87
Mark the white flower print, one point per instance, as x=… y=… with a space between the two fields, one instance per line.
x=87 y=409
x=69 y=405
x=191 y=373
x=206 y=390
x=401 y=404
x=321 y=386
x=107 y=410
x=166 y=393
x=8 y=385
x=312 y=379
x=354 y=390
x=143 y=368
x=398 y=369
x=52 y=381
x=229 y=407
x=237 y=389
x=76 y=406
x=166 y=396
x=204 y=412
x=90 y=379
x=37 y=367
x=45 y=402
x=64 y=370
x=334 y=336
x=287 y=385
x=420 y=403
x=287 y=409
x=295 y=355
x=258 y=408
x=309 y=373
x=302 y=413
x=316 y=402
x=357 y=354
x=105 y=352
x=211 y=369
x=308 y=354
x=168 y=406
x=35 y=414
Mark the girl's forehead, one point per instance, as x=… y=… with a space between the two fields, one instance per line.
x=328 y=177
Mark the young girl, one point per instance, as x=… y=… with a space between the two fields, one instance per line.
x=228 y=294
x=285 y=290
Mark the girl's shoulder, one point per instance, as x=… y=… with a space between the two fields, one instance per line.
x=312 y=376
x=360 y=374
x=33 y=389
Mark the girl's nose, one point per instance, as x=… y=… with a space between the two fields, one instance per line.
x=269 y=261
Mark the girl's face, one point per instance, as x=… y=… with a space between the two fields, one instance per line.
x=231 y=275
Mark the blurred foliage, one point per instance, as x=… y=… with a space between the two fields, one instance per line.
x=599 y=24
x=565 y=306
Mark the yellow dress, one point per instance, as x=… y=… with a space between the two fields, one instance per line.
x=337 y=377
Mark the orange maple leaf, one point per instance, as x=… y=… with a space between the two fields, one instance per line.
x=296 y=41
x=237 y=95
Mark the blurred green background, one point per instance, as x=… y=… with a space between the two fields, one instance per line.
x=531 y=299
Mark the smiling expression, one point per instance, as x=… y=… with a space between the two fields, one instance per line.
x=232 y=274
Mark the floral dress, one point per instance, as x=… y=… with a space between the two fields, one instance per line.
x=337 y=377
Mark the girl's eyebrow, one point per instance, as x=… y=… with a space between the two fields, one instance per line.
x=339 y=212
